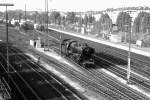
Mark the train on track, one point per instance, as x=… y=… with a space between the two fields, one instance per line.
x=81 y=53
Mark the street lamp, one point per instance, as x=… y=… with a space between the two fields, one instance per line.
x=7 y=4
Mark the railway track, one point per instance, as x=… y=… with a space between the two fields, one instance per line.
x=126 y=91
x=143 y=66
x=114 y=85
x=145 y=84
x=45 y=78
x=122 y=73
x=136 y=80
x=82 y=79
x=95 y=86
x=109 y=81
x=112 y=88
x=126 y=96
x=142 y=83
x=24 y=89
x=42 y=73
x=45 y=75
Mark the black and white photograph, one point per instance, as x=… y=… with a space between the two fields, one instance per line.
x=74 y=50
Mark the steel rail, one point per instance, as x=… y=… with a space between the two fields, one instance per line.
x=108 y=83
x=38 y=72
x=114 y=69
x=98 y=78
x=46 y=59
x=24 y=97
x=23 y=80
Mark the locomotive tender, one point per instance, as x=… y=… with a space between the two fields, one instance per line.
x=81 y=53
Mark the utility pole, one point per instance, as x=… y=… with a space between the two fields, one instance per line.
x=47 y=16
x=129 y=54
x=46 y=6
x=7 y=40
x=46 y=21
x=7 y=45
x=25 y=19
x=60 y=44
x=45 y=25
x=25 y=13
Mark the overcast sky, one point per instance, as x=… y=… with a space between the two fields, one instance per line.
x=75 y=5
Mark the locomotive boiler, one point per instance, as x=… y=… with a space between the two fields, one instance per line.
x=81 y=53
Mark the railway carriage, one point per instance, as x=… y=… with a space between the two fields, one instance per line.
x=81 y=53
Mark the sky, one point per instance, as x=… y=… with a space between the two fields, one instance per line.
x=73 y=5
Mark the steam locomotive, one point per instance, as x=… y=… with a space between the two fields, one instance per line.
x=81 y=53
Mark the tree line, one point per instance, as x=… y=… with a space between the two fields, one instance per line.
x=140 y=25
